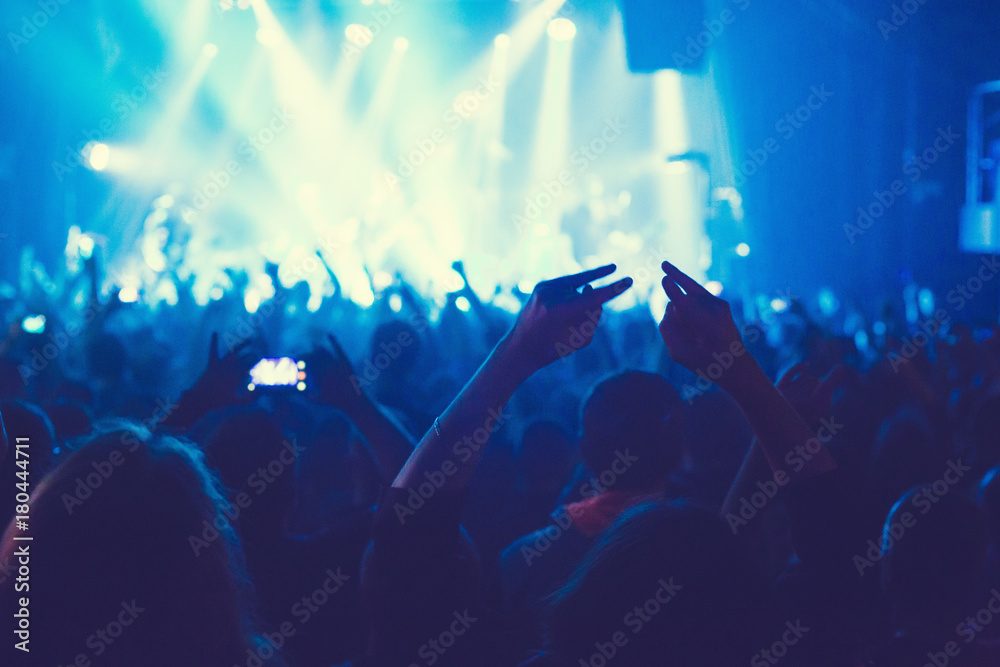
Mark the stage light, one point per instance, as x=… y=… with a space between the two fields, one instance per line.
x=358 y=34
x=301 y=386
x=502 y=41
x=128 y=295
x=97 y=156
x=86 y=245
x=401 y=44
x=779 y=305
x=381 y=280
x=267 y=37
x=561 y=29
x=210 y=50
x=463 y=304
x=395 y=303
x=166 y=201
x=714 y=287
x=743 y=250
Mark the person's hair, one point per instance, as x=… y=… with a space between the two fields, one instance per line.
x=673 y=581
x=934 y=559
x=132 y=556
x=632 y=414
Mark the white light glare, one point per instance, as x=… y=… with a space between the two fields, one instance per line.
x=98 y=156
x=502 y=41
x=358 y=34
x=561 y=29
x=743 y=250
x=210 y=50
x=401 y=44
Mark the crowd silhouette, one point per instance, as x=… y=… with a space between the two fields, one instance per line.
x=561 y=487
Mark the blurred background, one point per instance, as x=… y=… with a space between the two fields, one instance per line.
x=818 y=147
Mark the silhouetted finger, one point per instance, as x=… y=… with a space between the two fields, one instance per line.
x=601 y=295
x=689 y=284
x=584 y=277
x=674 y=292
x=338 y=351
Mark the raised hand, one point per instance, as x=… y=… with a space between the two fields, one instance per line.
x=335 y=381
x=225 y=375
x=559 y=320
x=698 y=327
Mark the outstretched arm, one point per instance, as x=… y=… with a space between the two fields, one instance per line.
x=338 y=385
x=556 y=321
x=699 y=332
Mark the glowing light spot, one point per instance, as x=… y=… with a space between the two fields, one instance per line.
x=128 y=295
x=401 y=44
x=502 y=41
x=779 y=305
x=251 y=300
x=98 y=156
x=463 y=304
x=166 y=201
x=743 y=250
x=86 y=246
x=33 y=324
x=358 y=34
x=561 y=29
x=210 y=50
x=395 y=303
x=714 y=286
x=301 y=364
x=381 y=280
x=267 y=37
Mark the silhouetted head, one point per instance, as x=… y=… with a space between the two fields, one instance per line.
x=252 y=455
x=674 y=586
x=933 y=552
x=129 y=540
x=633 y=425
